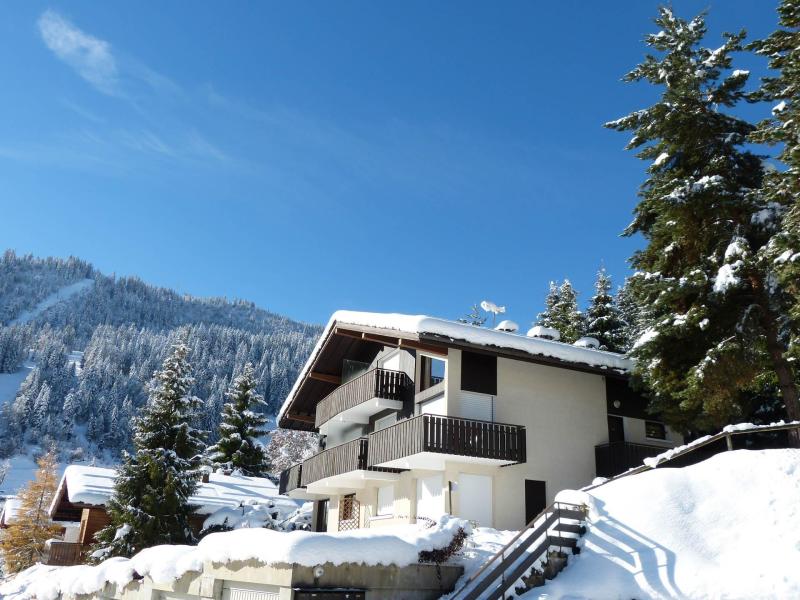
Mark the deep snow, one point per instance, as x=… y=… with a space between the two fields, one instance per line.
x=728 y=527
x=399 y=545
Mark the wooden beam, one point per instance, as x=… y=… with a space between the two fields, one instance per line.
x=335 y=379
x=438 y=350
x=301 y=418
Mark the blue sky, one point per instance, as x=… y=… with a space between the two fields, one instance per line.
x=310 y=156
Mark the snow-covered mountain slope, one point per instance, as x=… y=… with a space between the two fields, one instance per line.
x=58 y=296
x=728 y=527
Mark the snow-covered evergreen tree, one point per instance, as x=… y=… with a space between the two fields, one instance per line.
x=561 y=312
x=474 y=317
x=781 y=190
x=712 y=313
x=288 y=447
x=238 y=448
x=631 y=315
x=603 y=320
x=150 y=501
x=22 y=544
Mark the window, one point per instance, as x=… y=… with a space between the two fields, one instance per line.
x=479 y=373
x=655 y=430
x=431 y=371
x=385 y=500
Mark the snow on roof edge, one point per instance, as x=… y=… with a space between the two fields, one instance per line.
x=423 y=324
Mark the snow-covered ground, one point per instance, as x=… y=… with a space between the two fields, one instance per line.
x=53 y=299
x=728 y=527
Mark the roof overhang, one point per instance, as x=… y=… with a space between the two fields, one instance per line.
x=359 y=336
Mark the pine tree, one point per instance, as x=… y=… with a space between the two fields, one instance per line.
x=22 y=544
x=150 y=501
x=561 y=312
x=603 y=320
x=711 y=317
x=631 y=315
x=237 y=448
x=781 y=190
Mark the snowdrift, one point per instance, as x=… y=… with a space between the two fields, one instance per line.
x=728 y=527
x=398 y=545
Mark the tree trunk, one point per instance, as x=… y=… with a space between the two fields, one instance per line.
x=783 y=371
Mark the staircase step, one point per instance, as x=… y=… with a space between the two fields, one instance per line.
x=570 y=528
x=564 y=542
x=571 y=514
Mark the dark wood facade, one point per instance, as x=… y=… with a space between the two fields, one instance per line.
x=614 y=458
x=377 y=383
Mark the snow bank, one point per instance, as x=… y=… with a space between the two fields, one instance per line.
x=281 y=513
x=399 y=545
x=728 y=527
x=423 y=325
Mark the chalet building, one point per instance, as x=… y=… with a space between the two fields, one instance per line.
x=83 y=492
x=421 y=416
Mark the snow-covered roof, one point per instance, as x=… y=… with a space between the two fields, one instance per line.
x=422 y=325
x=94 y=486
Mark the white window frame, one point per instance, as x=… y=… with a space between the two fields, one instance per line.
x=385 y=508
x=656 y=439
x=444 y=359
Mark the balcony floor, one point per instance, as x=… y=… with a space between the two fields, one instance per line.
x=348 y=481
x=435 y=461
x=360 y=414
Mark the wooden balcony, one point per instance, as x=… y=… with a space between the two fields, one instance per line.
x=427 y=440
x=64 y=554
x=388 y=389
x=614 y=458
x=350 y=456
x=290 y=479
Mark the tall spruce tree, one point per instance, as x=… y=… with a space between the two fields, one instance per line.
x=603 y=320
x=150 y=502
x=561 y=312
x=22 y=544
x=712 y=334
x=237 y=448
x=781 y=190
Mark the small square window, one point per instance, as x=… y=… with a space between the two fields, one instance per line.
x=655 y=430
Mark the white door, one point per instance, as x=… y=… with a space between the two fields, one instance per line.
x=475 y=498
x=430 y=497
x=476 y=406
x=434 y=406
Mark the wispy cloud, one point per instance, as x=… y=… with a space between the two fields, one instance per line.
x=89 y=56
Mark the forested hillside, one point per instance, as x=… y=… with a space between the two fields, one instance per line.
x=92 y=351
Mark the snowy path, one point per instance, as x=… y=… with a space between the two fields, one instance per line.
x=53 y=299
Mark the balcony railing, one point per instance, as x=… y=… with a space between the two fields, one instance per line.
x=63 y=554
x=350 y=456
x=290 y=479
x=447 y=435
x=377 y=383
x=614 y=458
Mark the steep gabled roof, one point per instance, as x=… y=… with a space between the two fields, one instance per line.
x=424 y=329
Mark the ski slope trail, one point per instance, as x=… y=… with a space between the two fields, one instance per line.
x=58 y=296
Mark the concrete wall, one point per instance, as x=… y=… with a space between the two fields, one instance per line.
x=254 y=581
